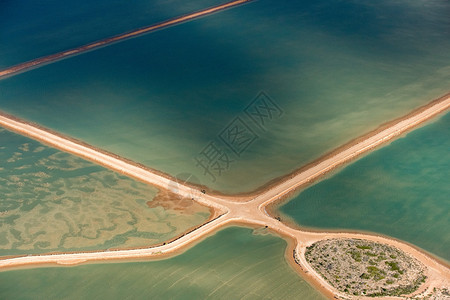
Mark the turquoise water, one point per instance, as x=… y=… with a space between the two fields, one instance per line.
x=54 y=201
x=336 y=68
x=232 y=264
x=401 y=190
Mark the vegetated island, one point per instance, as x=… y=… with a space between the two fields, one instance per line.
x=365 y=268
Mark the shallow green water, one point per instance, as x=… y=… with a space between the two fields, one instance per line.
x=232 y=264
x=54 y=201
x=336 y=68
x=401 y=190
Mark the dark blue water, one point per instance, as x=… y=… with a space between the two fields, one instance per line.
x=336 y=68
x=30 y=29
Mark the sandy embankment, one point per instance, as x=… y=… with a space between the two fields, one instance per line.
x=252 y=211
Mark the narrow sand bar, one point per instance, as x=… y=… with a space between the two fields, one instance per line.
x=233 y=210
x=102 y=43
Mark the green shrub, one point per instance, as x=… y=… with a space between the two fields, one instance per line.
x=364 y=276
x=394 y=266
x=376 y=273
x=356 y=255
x=364 y=247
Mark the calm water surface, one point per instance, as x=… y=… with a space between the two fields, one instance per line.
x=401 y=190
x=336 y=68
x=232 y=264
x=30 y=29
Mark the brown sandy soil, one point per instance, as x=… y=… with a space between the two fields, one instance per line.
x=252 y=211
x=169 y=200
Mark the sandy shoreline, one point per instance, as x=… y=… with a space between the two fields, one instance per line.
x=270 y=184
x=362 y=146
x=232 y=209
x=214 y=215
x=102 y=43
x=244 y=196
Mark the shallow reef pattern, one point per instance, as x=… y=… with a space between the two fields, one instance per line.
x=54 y=201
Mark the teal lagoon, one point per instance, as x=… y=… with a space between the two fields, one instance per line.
x=337 y=69
x=232 y=264
x=401 y=190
